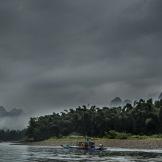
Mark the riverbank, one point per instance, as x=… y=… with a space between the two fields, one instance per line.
x=150 y=143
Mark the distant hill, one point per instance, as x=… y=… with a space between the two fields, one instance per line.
x=3 y=112
x=13 y=112
x=160 y=97
x=127 y=102
x=117 y=101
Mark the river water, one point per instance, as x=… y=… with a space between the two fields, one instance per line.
x=22 y=153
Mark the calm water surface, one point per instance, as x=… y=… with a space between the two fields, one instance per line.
x=21 y=153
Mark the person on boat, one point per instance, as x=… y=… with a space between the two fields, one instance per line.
x=87 y=144
x=101 y=147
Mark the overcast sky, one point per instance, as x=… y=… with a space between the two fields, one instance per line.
x=56 y=54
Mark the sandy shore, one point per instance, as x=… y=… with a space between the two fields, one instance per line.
x=137 y=144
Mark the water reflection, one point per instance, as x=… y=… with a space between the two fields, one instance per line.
x=20 y=153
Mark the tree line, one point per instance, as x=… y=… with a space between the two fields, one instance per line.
x=143 y=117
x=12 y=135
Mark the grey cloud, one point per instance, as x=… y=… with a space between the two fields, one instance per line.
x=62 y=53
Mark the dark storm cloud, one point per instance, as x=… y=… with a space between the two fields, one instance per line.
x=58 y=53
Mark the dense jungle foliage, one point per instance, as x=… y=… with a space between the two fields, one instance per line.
x=12 y=135
x=143 y=117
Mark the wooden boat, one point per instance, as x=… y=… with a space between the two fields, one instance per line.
x=85 y=145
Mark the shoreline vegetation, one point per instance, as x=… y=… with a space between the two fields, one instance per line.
x=141 y=118
x=137 y=125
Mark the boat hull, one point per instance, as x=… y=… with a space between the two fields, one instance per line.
x=80 y=148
